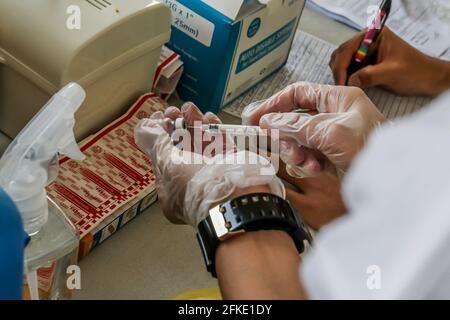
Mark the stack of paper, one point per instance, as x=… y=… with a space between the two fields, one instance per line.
x=416 y=24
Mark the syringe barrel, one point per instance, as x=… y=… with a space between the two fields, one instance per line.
x=234 y=129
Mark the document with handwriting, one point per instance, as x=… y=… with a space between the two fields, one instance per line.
x=414 y=21
x=308 y=61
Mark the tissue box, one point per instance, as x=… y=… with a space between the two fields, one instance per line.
x=229 y=46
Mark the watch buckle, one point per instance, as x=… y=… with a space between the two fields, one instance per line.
x=220 y=225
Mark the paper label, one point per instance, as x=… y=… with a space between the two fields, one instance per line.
x=190 y=23
x=266 y=46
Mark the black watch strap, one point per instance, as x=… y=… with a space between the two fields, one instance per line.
x=252 y=212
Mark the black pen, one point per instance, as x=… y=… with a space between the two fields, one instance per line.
x=360 y=57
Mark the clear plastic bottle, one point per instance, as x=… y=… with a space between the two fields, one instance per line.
x=49 y=255
x=28 y=165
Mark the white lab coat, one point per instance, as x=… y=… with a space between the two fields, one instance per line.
x=395 y=241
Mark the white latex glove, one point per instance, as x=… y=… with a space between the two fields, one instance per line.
x=187 y=191
x=327 y=136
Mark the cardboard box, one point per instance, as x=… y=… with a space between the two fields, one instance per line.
x=228 y=46
x=113 y=223
x=115 y=182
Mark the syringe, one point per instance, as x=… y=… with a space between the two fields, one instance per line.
x=180 y=124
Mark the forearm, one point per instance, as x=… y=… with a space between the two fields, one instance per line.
x=259 y=265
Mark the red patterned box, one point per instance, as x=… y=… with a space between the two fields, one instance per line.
x=115 y=182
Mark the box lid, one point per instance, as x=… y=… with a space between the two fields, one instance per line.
x=236 y=9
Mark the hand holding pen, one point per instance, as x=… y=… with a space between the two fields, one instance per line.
x=394 y=65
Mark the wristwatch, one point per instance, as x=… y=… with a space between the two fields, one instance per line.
x=251 y=212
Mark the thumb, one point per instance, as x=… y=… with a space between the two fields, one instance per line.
x=371 y=76
x=304 y=129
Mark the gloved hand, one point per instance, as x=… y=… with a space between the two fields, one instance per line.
x=190 y=183
x=328 y=136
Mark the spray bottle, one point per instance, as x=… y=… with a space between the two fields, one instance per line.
x=28 y=165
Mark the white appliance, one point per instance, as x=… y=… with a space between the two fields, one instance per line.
x=110 y=47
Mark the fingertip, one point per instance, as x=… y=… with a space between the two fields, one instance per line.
x=173 y=113
x=266 y=121
x=263 y=121
x=355 y=81
x=311 y=166
x=291 y=153
x=252 y=113
x=159 y=115
x=255 y=119
x=211 y=118
x=191 y=113
x=187 y=106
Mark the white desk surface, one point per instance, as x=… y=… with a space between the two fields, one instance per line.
x=152 y=259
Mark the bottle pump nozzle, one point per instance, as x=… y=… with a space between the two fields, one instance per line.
x=30 y=163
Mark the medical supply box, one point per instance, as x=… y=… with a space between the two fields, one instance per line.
x=229 y=46
x=110 y=47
